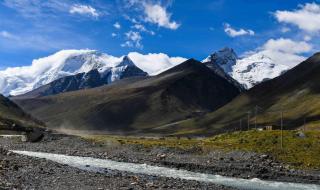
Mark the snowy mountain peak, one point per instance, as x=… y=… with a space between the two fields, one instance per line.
x=19 y=80
x=249 y=70
x=225 y=58
x=126 y=61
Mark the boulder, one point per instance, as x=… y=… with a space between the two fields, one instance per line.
x=33 y=136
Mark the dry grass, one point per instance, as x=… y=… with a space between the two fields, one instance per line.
x=297 y=152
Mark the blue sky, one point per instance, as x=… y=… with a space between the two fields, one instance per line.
x=31 y=29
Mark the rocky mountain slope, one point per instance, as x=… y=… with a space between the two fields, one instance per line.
x=137 y=104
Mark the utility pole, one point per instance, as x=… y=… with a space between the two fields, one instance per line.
x=240 y=124
x=255 y=117
x=281 y=128
x=248 y=120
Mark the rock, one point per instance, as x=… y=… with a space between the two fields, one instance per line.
x=150 y=184
x=264 y=156
x=3 y=151
x=9 y=153
x=33 y=136
x=161 y=156
x=301 y=135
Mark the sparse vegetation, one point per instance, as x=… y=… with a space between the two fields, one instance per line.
x=298 y=152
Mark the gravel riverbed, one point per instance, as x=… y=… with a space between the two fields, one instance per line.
x=21 y=172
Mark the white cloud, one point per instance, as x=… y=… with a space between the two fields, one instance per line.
x=285 y=29
x=154 y=12
x=157 y=14
x=287 y=46
x=133 y=40
x=307 y=38
x=307 y=17
x=155 y=63
x=117 y=25
x=285 y=51
x=234 y=33
x=141 y=28
x=84 y=10
x=113 y=34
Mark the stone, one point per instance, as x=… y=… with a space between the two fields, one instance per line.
x=301 y=135
x=34 y=136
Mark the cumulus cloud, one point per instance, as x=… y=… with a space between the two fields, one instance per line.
x=307 y=17
x=285 y=51
x=157 y=14
x=133 y=40
x=287 y=45
x=117 y=25
x=155 y=63
x=84 y=10
x=234 y=33
x=113 y=34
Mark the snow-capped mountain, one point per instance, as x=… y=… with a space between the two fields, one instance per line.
x=20 y=80
x=248 y=71
x=91 y=79
x=256 y=68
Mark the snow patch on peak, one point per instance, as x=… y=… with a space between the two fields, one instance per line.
x=256 y=68
x=250 y=70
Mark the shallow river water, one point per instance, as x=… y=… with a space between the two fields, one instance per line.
x=100 y=165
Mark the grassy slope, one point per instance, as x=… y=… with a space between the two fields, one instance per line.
x=136 y=104
x=297 y=152
x=297 y=92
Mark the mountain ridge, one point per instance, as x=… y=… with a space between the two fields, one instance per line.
x=295 y=93
x=247 y=71
x=136 y=104
x=91 y=79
